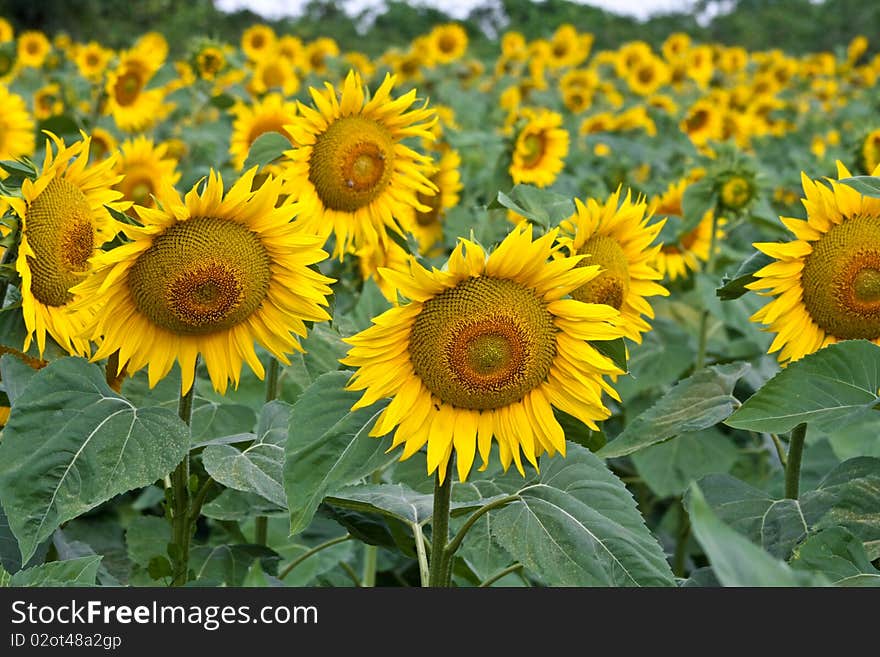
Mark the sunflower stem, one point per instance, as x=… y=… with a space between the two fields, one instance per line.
x=424 y=571
x=371 y=552
x=793 y=461
x=500 y=575
x=440 y=527
x=700 y=362
x=261 y=523
x=180 y=510
x=318 y=548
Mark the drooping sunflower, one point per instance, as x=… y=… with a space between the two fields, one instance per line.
x=485 y=349
x=63 y=224
x=428 y=226
x=676 y=260
x=540 y=149
x=617 y=236
x=448 y=43
x=208 y=274
x=271 y=114
x=16 y=127
x=33 y=48
x=143 y=166
x=826 y=282
x=350 y=170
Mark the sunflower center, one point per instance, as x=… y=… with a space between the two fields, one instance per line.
x=697 y=121
x=483 y=344
x=736 y=192
x=841 y=280
x=127 y=88
x=201 y=275
x=351 y=163
x=273 y=76
x=59 y=231
x=612 y=284
x=448 y=43
x=532 y=149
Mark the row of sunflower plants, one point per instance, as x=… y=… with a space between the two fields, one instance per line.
x=511 y=340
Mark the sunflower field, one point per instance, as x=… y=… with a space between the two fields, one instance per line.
x=277 y=313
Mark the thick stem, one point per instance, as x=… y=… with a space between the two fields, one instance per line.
x=793 y=461
x=704 y=317
x=180 y=503
x=440 y=527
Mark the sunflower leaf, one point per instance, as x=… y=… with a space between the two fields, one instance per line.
x=698 y=199
x=613 y=349
x=73 y=572
x=539 y=206
x=734 y=286
x=72 y=443
x=266 y=148
x=834 y=386
x=839 y=555
x=865 y=185
x=701 y=401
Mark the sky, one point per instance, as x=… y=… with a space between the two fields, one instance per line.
x=455 y=8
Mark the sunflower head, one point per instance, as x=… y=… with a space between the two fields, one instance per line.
x=483 y=350
x=540 y=149
x=144 y=167
x=448 y=42
x=270 y=114
x=209 y=274
x=826 y=282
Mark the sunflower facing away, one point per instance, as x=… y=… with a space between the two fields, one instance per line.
x=208 y=274
x=63 y=224
x=540 y=149
x=350 y=172
x=486 y=348
x=617 y=236
x=825 y=283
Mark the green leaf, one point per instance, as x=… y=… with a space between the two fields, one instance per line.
x=578 y=525
x=72 y=443
x=613 y=349
x=370 y=304
x=698 y=199
x=832 y=387
x=735 y=560
x=222 y=101
x=734 y=286
x=537 y=205
x=664 y=355
x=266 y=148
x=74 y=572
x=865 y=185
x=147 y=537
x=328 y=446
x=258 y=468
x=701 y=401
x=670 y=467
x=229 y=564
x=15 y=375
x=237 y=506
x=61 y=125
x=838 y=555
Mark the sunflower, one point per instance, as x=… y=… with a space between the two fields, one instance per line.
x=6 y=32
x=617 y=236
x=291 y=48
x=675 y=260
x=375 y=259
x=646 y=77
x=486 y=348
x=133 y=107
x=702 y=123
x=350 y=170
x=103 y=144
x=210 y=61
x=540 y=149
x=16 y=127
x=143 y=166
x=826 y=282
x=271 y=114
x=63 y=224
x=91 y=60
x=427 y=226
x=869 y=153
x=48 y=101
x=317 y=53
x=33 y=48
x=676 y=45
x=208 y=274
x=448 y=43
x=566 y=47
x=273 y=74
x=257 y=41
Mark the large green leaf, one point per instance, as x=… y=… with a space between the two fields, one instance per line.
x=258 y=468
x=834 y=386
x=578 y=525
x=735 y=560
x=72 y=443
x=701 y=401
x=74 y=572
x=839 y=555
x=328 y=446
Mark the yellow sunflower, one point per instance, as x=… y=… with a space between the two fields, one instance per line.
x=486 y=348
x=103 y=144
x=870 y=151
x=540 y=149
x=271 y=114
x=208 y=274
x=63 y=224
x=273 y=74
x=48 y=101
x=92 y=60
x=617 y=236
x=646 y=77
x=676 y=260
x=317 y=53
x=16 y=127
x=257 y=41
x=143 y=166
x=350 y=170
x=428 y=226
x=33 y=48
x=826 y=282
x=703 y=122
x=376 y=259
x=6 y=31
x=448 y=43
x=132 y=105
x=210 y=61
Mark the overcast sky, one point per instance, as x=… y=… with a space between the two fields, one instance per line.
x=456 y=8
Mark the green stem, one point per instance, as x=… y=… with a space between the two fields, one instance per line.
x=323 y=546
x=793 y=462
x=261 y=523
x=501 y=573
x=681 y=541
x=180 y=508
x=261 y=530
x=704 y=316
x=351 y=574
x=476 y=515
x=440 y=527
x=780 y=450
x=424 y=571
x=371 y=552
